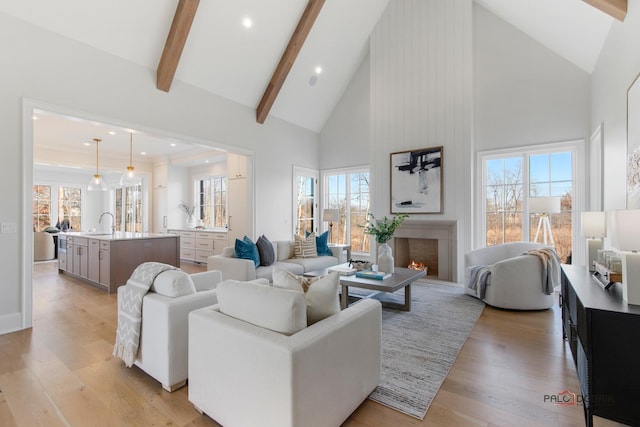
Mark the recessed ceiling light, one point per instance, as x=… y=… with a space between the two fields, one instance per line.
x=111 y=132
x=144 y=153
x=86 y=144
x=206 y=161
x=247 y=22
x=35 y=117
x=318 y=70
x=172 y=144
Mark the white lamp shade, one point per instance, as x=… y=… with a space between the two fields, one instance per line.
x=331 y=215
x=625 y=229
x=544 y=205
x=594 y=224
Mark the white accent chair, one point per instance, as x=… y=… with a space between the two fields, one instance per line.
x=242 y=374
x=163 y=350
x=43 y=246
x=516 y=279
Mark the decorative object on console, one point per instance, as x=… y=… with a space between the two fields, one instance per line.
x=594 y=228
x=544 y=206
x=97 y=183
x=383 y=232
x=190 y=210
x=625 y=237
x=416 y=181
x=129 y=178
x=331 y=215
x=360 y=265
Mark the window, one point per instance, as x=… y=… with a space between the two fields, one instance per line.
x=41 y=207
x=70 y=206
x=511 y=177
x=128 y=213
x=304 y=201
x=212 y=201
x=348 y=191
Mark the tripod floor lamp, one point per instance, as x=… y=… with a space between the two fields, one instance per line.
x=331 y=215
x=544 y=206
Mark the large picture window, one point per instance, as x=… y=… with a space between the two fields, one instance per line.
x=511 y=178
x=304 y=198
x=348 y=191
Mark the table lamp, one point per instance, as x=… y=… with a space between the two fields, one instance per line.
x=625 y=237
x=544 y=206
x=594 y=228
x=331 y=215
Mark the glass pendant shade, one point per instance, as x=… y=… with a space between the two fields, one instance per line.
x=97 y=183
x=129 y=178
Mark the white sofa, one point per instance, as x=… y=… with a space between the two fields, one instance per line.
x=163 y=350
x=245 y=270
x=241 y=374
x=515 y=281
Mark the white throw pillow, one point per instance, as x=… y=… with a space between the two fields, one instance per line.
x=173 y=283
x=279 y=310
x=320 y=293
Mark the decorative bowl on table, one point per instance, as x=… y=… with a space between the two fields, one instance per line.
x=360 y=265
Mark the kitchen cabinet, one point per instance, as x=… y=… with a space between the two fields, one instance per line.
x=236 y=166
x=197 y=245
x=240 y=206
x=79 y=255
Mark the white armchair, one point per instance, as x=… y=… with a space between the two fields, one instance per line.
x=241 y=374
x=163 y=350
x=515 y=281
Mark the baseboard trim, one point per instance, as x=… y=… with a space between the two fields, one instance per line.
x=10 y=323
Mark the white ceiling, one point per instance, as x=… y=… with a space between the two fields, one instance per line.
x=223 y=57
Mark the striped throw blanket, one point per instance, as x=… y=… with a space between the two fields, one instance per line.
x=550 y=268
x=478 y=279
x=130 y=309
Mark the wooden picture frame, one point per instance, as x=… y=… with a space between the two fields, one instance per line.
x=416 y=181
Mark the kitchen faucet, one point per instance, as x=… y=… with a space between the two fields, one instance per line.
x=113 y=220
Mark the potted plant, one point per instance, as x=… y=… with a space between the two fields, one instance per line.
x=190 y=210
x=383 y=231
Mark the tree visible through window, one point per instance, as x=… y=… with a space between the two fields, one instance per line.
x=348 y=191
x=510 y=178
x=70 y=206
x=41 y=207
x=212 y=201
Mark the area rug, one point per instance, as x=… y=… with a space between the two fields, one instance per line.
x=419 y=347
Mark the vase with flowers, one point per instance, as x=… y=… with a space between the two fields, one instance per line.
x=383 y=231
x=190 y=210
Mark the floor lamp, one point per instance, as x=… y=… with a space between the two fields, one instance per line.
x=331 y=215
x=594 y=227
x=625 y=236
x=544 y=206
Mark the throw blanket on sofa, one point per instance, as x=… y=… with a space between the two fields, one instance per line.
x=478 y=277
x=550 y=268
x=130 y=310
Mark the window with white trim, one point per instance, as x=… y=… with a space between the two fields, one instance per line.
x=211 y=194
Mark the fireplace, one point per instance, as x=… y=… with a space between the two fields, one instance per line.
x=432 y=242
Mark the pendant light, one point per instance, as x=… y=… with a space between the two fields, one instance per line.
x=97 y=183
x=129 y=178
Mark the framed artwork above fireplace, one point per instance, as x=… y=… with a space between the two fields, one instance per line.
x=416 y=181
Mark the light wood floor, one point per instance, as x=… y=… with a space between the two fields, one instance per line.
x=61 y=372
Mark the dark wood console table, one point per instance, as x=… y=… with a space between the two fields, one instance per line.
x=603 y=332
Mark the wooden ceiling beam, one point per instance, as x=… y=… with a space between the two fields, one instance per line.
x=289 y=56
x=615 y=8
x=180 y=27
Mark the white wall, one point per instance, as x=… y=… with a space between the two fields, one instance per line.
x=617 y=67
x=52 y=70
x=524 y=93
x=421 y=96
x=345 y=136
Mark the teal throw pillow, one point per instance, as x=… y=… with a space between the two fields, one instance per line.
x=246 y=249
x=322 y=244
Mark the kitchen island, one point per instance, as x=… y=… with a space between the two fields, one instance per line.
x=107 y=260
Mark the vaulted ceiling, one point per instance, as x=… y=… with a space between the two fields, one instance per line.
x=224 y=56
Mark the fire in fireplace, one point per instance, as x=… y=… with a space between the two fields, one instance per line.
x=413 y=265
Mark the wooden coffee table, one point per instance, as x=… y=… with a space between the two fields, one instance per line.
x=401 y=278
